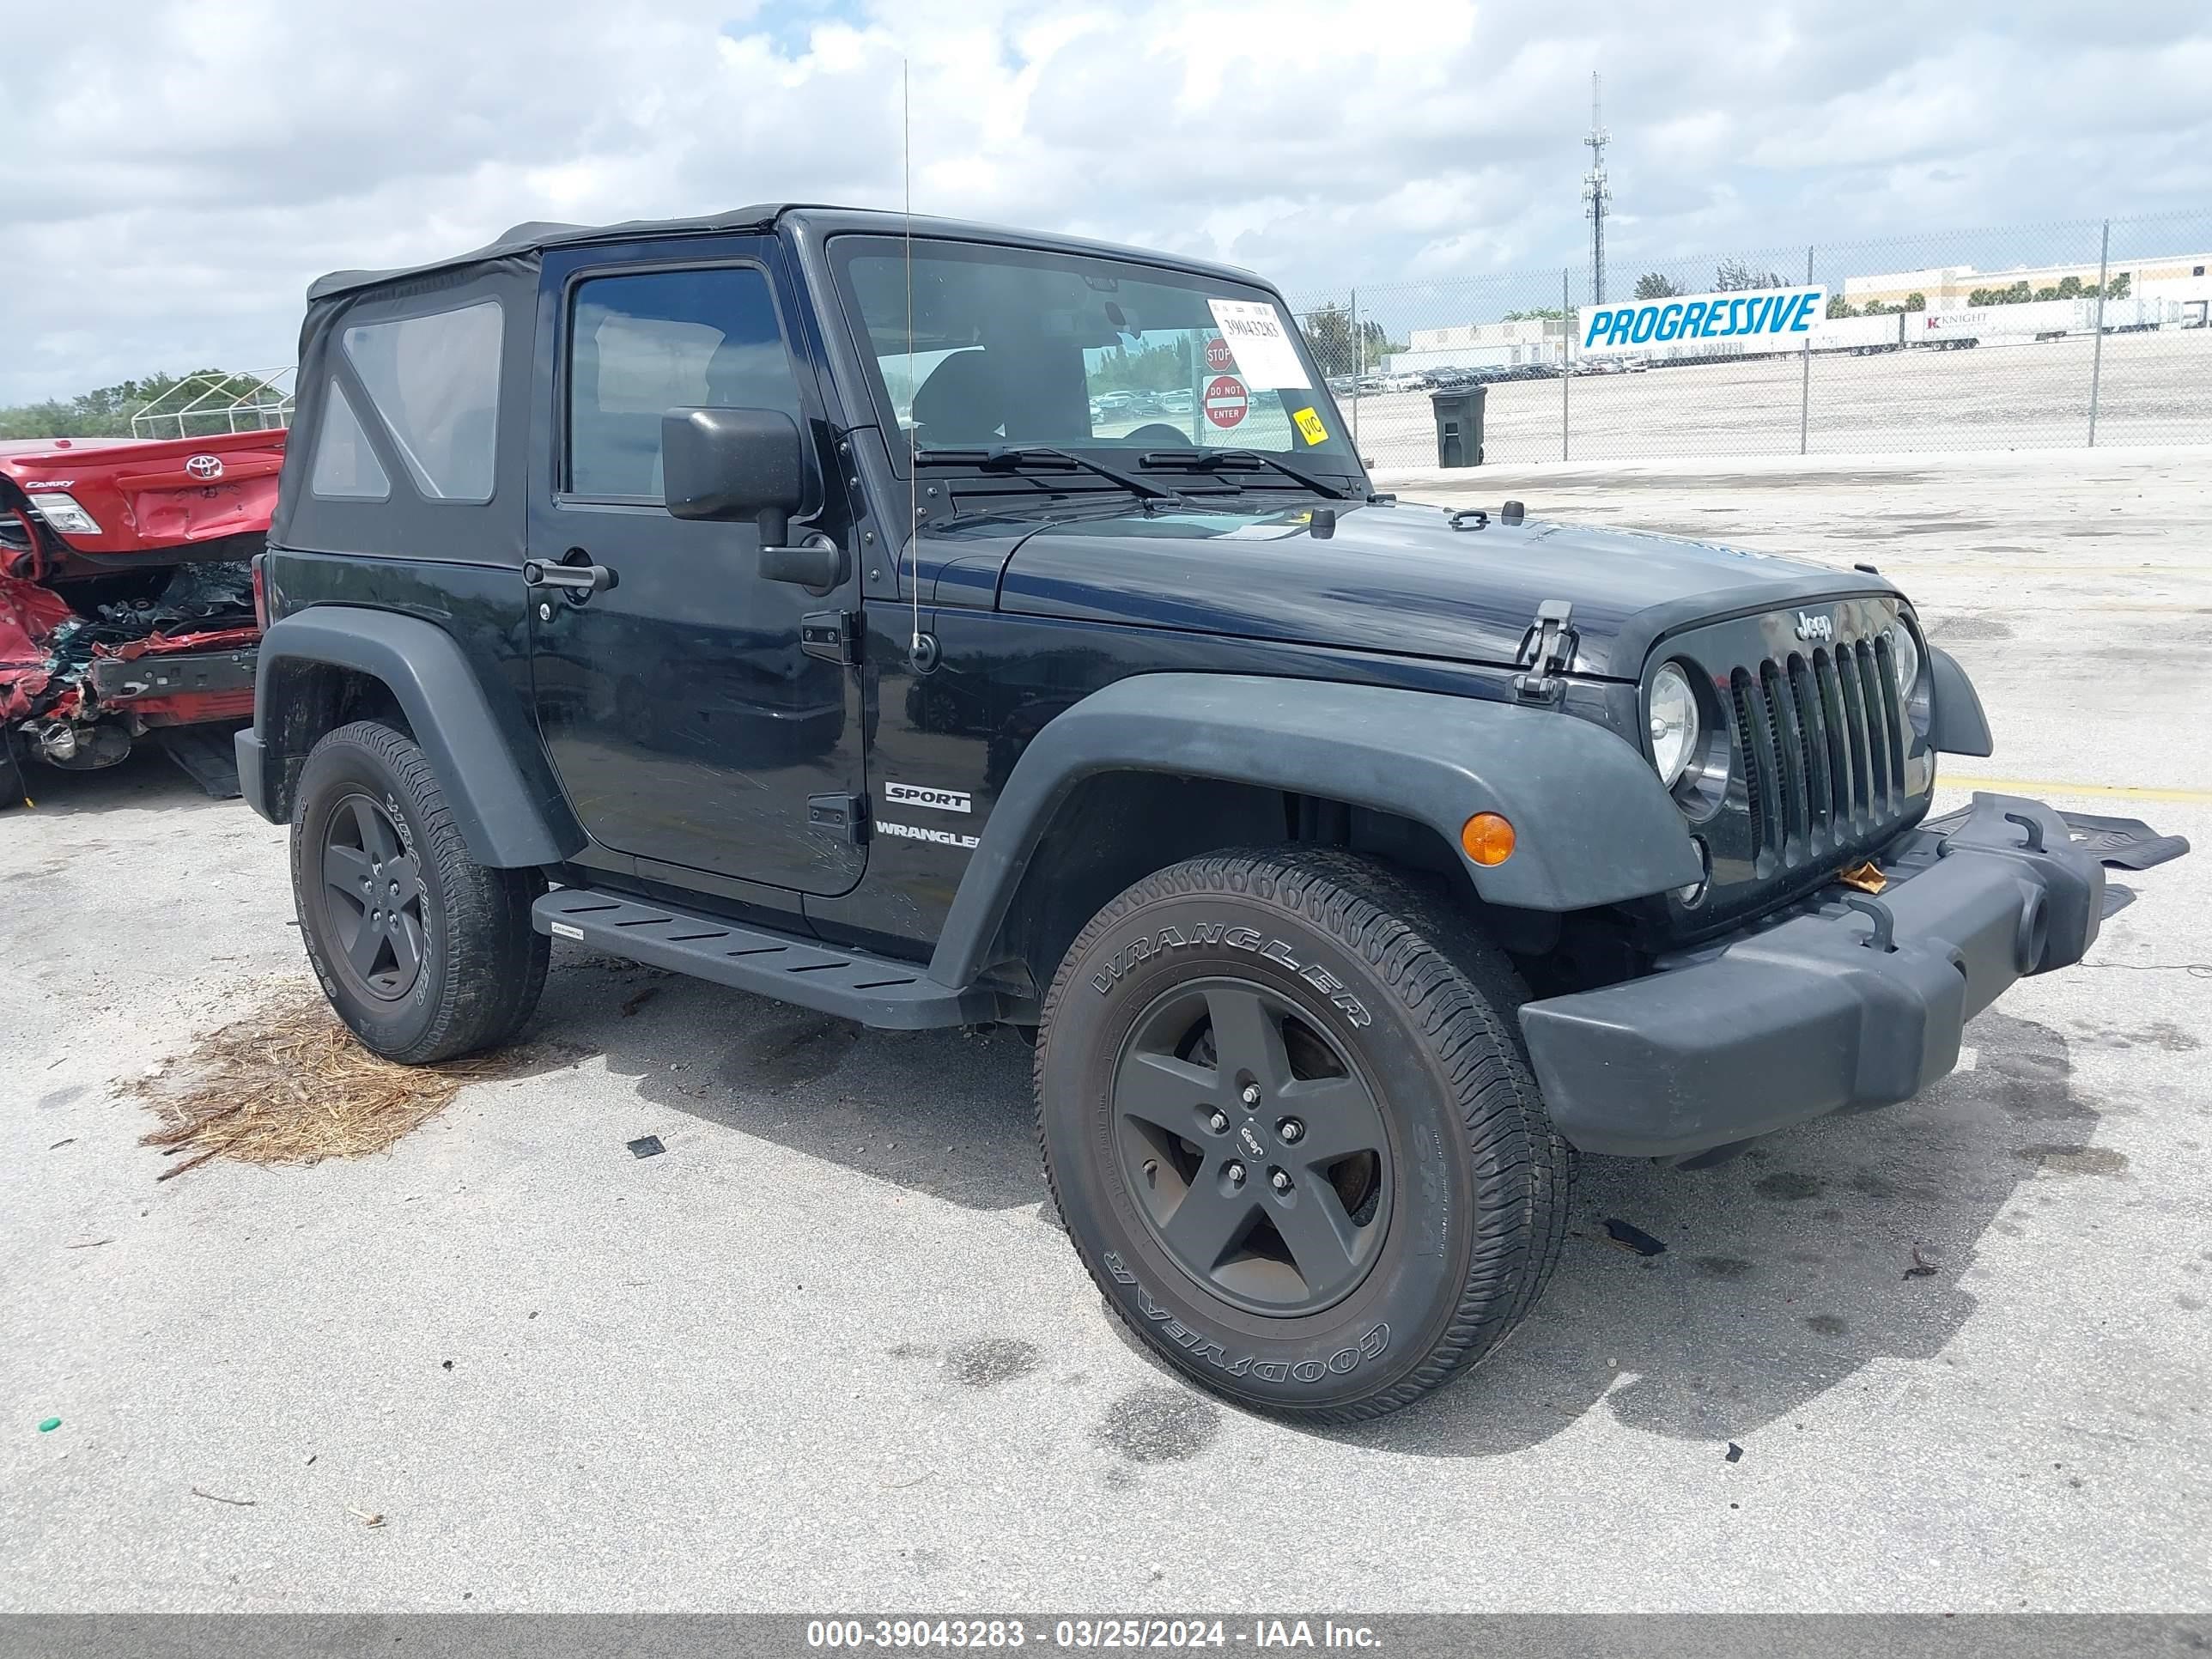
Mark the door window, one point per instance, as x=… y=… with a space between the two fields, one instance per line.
x=642 y=345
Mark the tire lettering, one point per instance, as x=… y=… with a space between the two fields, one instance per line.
x=1437 y=1196
x=1219 y=935
x=1370 y=1347
x=399 y=821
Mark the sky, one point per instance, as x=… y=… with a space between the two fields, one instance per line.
x=179 y=172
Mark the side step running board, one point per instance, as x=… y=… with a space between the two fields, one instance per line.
x=874 y=990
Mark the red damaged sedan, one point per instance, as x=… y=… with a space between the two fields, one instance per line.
x=126 y=598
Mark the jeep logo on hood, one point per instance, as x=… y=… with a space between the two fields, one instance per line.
x=1811 y=627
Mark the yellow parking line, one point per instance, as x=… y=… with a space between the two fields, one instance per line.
x=1999 y=567
x=2066 y=608
x=2046 y=786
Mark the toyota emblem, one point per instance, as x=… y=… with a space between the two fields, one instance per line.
x=204 y=466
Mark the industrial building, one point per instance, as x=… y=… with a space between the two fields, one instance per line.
x=1944 y=287
x=1483 y=345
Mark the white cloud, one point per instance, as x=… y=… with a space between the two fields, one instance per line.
x=178 y=178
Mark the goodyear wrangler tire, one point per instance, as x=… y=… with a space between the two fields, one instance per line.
x=1286 y=1115
x=425 y=953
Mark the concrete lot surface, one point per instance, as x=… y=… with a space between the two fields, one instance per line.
x=828 y=1352
x=2152 y=389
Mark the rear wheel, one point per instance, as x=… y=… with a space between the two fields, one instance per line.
x=1285 y=1113
x=425 y=953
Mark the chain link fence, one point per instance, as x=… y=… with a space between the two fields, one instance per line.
x=2029 y=337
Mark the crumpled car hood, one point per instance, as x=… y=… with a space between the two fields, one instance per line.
x=47 y=649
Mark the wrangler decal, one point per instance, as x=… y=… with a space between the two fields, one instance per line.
x=915 y=832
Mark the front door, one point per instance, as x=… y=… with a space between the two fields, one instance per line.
x=688 y=725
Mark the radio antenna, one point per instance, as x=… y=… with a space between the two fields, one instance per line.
x=913 y=384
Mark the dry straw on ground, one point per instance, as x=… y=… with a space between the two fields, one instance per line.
x=287 y=1084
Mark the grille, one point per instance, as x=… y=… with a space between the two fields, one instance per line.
x=1823 y=745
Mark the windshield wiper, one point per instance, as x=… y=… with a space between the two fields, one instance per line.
x=1240 y=460
x=1012 y=458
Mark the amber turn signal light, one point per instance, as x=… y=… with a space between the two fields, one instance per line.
x=1487 y=838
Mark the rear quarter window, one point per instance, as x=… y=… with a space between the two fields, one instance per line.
x=346 y=468
x=434 y=379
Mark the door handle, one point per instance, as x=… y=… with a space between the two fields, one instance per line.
x=581 y=581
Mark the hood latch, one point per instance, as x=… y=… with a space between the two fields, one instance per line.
x=1548 y=649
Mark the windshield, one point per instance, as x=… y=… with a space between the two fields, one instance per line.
x=1021 y=346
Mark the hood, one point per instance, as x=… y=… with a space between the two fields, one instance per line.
x=1401 y=579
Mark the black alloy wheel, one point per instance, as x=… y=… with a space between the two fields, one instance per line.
x=1287 y=1121
x=372 y=895
x=425 y=953
x=1253 y=1147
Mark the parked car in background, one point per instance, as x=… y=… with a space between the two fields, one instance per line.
x=126 y=600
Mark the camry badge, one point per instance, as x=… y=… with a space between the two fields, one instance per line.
x=1810 y=629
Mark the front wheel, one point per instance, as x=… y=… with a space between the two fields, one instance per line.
x=1284 y=1109
x=425 y=953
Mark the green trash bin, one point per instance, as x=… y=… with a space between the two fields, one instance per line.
x=1458 y=425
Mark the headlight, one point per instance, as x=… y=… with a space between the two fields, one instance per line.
x=1673 y=723
x=1904 y=658
x=60 y=510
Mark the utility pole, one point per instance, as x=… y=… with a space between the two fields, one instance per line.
x=1597 y=197
x=2097 y=357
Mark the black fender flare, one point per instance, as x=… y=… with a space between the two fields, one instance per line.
x=1592 y=822
x=504 y=798
x=1956 y=724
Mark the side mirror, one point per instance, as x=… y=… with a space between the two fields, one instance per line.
x=733 y=464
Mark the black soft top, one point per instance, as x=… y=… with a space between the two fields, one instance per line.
x=538 y=235
x=405 y=522
x=523 y=241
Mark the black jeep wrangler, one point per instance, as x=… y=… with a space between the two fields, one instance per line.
x=936 y=625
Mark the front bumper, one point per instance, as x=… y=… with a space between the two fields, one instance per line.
x=1846 y=1003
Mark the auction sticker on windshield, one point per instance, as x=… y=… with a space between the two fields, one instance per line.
x=1310 y=426
x=1226 y=400
x=1264 y=355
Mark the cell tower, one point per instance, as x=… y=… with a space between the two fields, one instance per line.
x=1597 y=197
